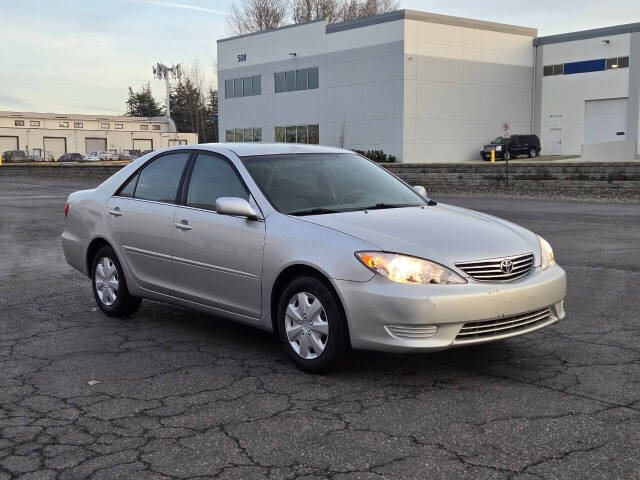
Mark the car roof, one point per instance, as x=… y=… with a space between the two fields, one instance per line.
x=251 y=149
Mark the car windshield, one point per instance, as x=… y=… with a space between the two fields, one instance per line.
x=500 y=140
x=317 y=183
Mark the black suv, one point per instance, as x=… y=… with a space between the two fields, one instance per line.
x=510 y=147
x=70 y=157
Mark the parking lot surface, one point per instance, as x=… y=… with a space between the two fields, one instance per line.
x=170 y=393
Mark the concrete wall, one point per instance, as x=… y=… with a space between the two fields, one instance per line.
x=563 y=97
x=360 y=83
x=461 y=85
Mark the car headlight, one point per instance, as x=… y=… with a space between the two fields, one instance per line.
x=406 y=269
x=499 y=148
x=548 y=259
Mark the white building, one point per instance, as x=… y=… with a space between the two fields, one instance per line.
x=427 y=87
x=49 y=135
x=588 y=93
x=420 y=86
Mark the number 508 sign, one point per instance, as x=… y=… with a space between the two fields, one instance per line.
x=242 y=57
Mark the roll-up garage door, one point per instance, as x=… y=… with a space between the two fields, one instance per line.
x=8 y=143
x=605 y=121
x=142 y=144
x=54 y=147
x=95 y=145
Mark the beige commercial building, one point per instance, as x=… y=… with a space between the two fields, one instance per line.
x=49 y=135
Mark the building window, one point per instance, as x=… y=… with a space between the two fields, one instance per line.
x=547 y=70
x=156 y=127
x=296 y=80
x=77 y=124
x=63 y=124
x=144 y=127
x=228 y=89
x=558 y=69
x=298 y=134
x=620 y=62
x=243 y=87
x=18 y=123
x=118 y=126
x=252 y=134
x=623 y=62
x=34 y=123
x=106 y=126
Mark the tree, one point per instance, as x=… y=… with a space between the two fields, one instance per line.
x=142 y=104
x=248 y=16
x=308 y=10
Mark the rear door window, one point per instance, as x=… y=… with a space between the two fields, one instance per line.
x=159 y=180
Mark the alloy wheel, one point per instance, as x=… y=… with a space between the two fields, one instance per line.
x=106 y=281
x=306 y=325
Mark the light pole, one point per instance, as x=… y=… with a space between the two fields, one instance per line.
x=163 y=72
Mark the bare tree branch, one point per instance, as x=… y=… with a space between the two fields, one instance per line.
x=248 y=16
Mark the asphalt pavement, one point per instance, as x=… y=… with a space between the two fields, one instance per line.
x=170 y=393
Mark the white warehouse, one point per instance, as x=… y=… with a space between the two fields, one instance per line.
x=432 y=88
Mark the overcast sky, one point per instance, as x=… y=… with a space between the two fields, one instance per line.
x=79 y=56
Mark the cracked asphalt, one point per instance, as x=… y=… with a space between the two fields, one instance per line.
x=184 y=395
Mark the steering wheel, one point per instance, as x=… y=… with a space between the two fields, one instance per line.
x=348 y=197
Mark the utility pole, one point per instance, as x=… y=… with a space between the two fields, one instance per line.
x=163 y=72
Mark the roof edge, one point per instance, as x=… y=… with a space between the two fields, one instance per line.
x=260 y=32
x=585 y=34
x=470 y=23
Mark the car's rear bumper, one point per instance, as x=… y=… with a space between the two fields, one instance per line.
x=388 y=316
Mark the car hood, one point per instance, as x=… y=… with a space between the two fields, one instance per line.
x=443 y=233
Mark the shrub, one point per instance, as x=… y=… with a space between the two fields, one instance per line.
x=377 y=156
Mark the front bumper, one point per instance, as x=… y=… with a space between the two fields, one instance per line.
x=396 y=317
x=487 y=155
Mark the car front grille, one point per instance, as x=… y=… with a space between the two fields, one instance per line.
x=487 y=149
x=498 y=269
x=487 y=329
x=412 y=332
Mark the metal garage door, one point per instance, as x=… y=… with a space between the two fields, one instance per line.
x=54 y=147
x=8 y=143
x=142 y=144
x=95 y=144
x=605 y=121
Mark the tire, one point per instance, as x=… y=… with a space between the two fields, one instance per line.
x=533 y=152
x=308 y=333
x=104 y=263
x=506 y=155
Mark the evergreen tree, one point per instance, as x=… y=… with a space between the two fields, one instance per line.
x=142 y=104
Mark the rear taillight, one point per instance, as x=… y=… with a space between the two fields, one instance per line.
x=66 y=210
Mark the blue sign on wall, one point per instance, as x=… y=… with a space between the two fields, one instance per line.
x=585 y=66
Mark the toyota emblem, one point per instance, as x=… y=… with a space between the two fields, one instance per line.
x=506 y=266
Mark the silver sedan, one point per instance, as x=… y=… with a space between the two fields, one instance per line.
x=317 y=244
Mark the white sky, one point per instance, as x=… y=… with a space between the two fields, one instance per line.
x=79 y=56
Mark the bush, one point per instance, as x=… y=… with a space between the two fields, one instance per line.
x=377 y=156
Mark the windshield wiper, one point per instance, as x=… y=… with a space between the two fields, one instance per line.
x=312 y=211
x=380 y=206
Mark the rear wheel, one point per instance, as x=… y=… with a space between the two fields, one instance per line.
x=109 y=285
x=532 y=152
x=311 y=325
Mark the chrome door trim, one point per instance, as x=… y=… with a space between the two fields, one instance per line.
x=216 y=268
x=147 y=253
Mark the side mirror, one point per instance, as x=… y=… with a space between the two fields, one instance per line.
x=236 y=206
x=420 y=190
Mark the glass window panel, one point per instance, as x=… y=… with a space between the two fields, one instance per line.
x=547 y=70
x=291 y=135
x=623 y=62
x=612 y=63
x=314 y=134
x=159 y=181
x=211 y=179
x=248 y=134
x=279 y=80
x=314 y=78
x=239 y=135
x=237 y=87
x=280 y=134
x=302 y=134
x=558 y=69
x=228 y=88
x=248 y=86
x=301 y=79
x=257 y=85
x=290 y=81
x=257 y=134
x=230 y=136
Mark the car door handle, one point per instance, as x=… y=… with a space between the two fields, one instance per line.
x=115 y=212
x=182 y=226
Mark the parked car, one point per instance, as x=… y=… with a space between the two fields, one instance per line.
x=510 y=147
x=34 y=158
x=318 y=244
x=14 y=156
x=91 y=157
x=71 y=157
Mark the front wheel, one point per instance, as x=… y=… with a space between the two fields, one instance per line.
x=110 y=286
x=311 y=325
x=506 y=155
